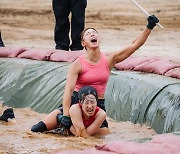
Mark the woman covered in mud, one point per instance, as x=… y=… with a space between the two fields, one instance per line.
x=93 y=69
x=86 y=116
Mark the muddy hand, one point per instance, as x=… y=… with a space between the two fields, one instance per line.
x=62 y=131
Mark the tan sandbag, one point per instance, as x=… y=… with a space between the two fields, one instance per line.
x=175 y=73
x=10 y=52
x=65 y=56
x=36 y=54
x=131 y=62
x=159 y=66
x=160 y=144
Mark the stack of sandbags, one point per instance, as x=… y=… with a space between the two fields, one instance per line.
x=40 y=54
x=156 y=65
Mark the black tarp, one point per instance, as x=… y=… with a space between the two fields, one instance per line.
x=144 y=98
x=30 y=83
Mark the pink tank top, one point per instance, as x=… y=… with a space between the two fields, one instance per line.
x=95 y=75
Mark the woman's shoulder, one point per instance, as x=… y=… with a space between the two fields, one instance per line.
x=75 y=108
x=101 y=112
x=76 y=64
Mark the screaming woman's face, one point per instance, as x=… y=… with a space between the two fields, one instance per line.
x=90 y=39
x=89 y=105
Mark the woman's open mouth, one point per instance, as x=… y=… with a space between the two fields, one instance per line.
x=93 y=40
x=90 y=111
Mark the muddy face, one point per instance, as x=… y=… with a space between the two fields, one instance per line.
x=89 y=105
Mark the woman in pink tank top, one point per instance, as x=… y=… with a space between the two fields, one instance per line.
x=93 y=69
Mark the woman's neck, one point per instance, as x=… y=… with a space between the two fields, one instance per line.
x=86 y=117
x=93 y=55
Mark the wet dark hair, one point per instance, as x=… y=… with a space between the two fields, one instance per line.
x=82 y=33
x=87 y=90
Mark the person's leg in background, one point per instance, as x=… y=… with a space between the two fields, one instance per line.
x=61 y=10
x=77 y=22
x=1 y=41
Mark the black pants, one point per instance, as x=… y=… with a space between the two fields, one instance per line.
x=62 y=9
x=1 y=41
x=100 y=103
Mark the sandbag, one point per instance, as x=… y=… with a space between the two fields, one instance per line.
x=175 y=73
x=159 y=66
x=36 y=54
x=65 y=56
x=131 y=62
x=156 y=65
x=158 y=144
x=11 y=52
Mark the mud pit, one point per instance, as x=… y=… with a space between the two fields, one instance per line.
x=16 y=137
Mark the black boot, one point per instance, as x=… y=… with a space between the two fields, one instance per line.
x=8 y=113
x=40 y=127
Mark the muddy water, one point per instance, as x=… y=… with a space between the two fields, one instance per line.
x=16 y=137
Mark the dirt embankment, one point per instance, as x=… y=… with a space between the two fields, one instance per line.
x=30 y=24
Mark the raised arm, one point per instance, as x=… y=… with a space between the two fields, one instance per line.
x=120 y=55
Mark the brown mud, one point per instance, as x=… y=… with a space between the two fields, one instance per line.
x=16 y=137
